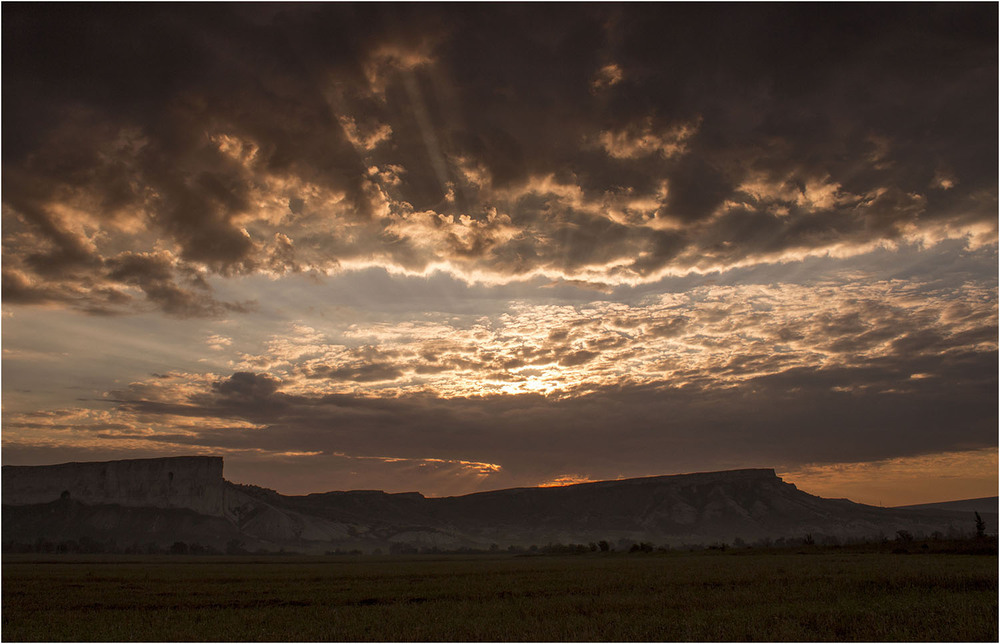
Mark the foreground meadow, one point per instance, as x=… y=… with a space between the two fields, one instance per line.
x=656 y=597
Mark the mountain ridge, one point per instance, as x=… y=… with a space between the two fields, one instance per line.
x=96 y=499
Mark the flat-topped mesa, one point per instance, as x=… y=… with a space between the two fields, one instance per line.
x=193 y=482
x=694 y=478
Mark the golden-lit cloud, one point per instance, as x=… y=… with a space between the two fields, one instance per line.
x=710 y=335
x=606 y=77
x=642 y=141
x=565 y=479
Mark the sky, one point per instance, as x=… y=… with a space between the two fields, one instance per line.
x=449 y=248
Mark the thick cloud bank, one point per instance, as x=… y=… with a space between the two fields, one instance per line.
x=149 y=147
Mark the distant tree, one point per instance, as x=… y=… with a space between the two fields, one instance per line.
x=904 y=536
x=604 y=545
x=808 y=539
x=402 y=549
x=179 y=548
x=980 y=526
x=564 y=549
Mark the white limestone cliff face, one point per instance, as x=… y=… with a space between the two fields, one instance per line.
x=184 y=482
x=193 y=482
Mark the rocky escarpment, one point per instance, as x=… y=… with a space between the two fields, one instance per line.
x=98 y=500
x=192 y=482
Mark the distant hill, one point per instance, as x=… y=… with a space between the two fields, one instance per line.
x=987 y=507
x=989 y=504
x=187 y=499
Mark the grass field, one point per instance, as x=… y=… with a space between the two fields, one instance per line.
x=657 y=597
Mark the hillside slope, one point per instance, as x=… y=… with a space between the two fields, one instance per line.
x=986 y=504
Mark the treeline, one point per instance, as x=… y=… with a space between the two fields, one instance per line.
x=623 y=545
x=88 y=546
x=902 y=542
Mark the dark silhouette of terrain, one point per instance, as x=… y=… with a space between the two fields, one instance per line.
x=186 y=499
x=985 y=505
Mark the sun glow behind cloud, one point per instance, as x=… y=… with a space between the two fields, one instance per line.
x=714 y=335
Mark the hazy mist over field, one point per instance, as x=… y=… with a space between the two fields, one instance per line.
x=455 y=248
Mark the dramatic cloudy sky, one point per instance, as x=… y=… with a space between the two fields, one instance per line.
x=451 y=248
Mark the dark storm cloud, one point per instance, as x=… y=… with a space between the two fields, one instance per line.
x=245 y=385
x=79 y=80
x=670 y=137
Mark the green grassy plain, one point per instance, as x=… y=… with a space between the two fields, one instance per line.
x=704 y=596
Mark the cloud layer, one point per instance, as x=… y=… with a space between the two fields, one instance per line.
x=149 y=148
x=709 y=378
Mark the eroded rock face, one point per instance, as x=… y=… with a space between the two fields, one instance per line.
x=193 y=482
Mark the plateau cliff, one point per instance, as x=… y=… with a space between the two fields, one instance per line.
x=187 y=499
x=193 y=482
